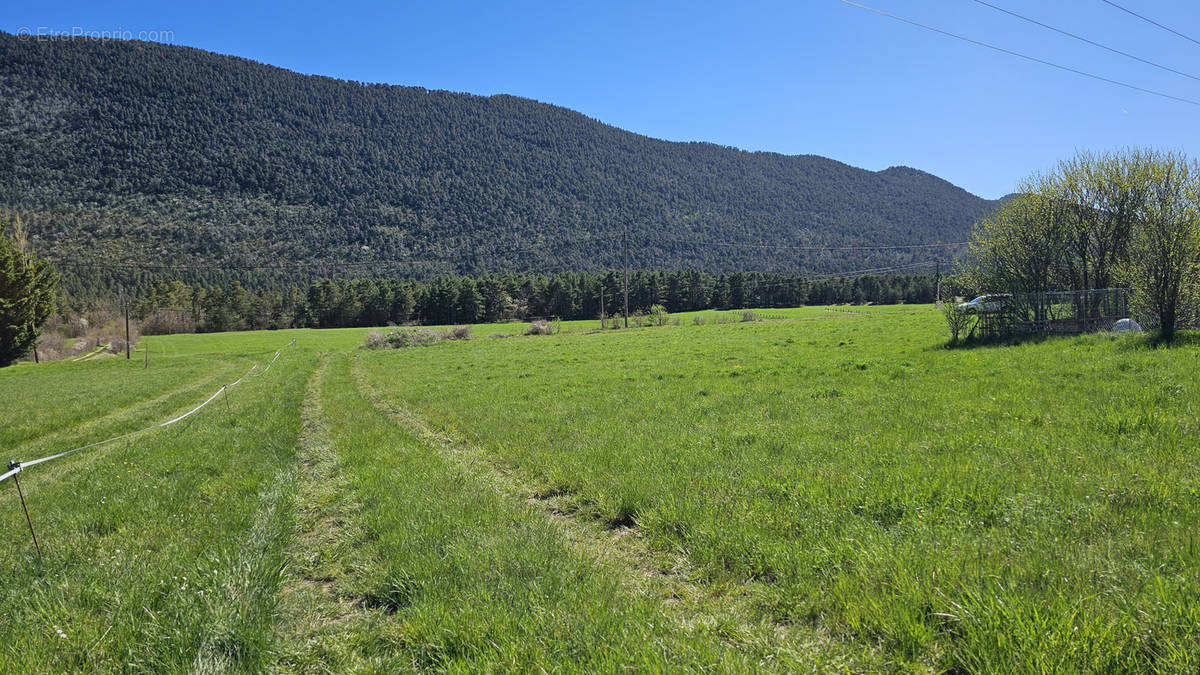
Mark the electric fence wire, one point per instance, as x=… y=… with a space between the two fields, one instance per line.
x=17 y=467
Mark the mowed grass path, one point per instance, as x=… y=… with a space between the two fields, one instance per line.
x=1010 y=508
x=833 y=491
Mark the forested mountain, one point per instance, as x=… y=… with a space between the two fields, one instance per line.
x=219 y=169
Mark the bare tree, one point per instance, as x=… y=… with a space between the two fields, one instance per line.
x=1164 y=264
x=957 y=321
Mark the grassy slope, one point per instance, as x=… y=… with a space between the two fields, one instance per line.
x=998 y=508
x=1005 y=508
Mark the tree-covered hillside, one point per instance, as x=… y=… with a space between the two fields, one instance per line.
x=220 y=168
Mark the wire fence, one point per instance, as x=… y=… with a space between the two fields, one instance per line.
x=16 y=467
x=1050 y=312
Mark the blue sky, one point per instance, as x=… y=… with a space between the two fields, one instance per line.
x=803 y=77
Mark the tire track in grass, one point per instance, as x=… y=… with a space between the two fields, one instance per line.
x=727 y=611
x=323 y=524
x=243 y=609
x=453 y=576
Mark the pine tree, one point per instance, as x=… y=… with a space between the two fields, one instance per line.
x=27 y=287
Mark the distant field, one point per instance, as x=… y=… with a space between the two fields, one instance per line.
x=826 y=489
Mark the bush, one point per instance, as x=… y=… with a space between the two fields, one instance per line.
x=749 y=315
x=613 y=321
x=77 y=326
x=658 y=315
x=115 y=339
x=699 y=320
x=402 y=338
x=51 y=346
x=956 y=320
x=116 y=345
x=166 y=322
x=540 y=327
x=412 y=338
x=375 y=340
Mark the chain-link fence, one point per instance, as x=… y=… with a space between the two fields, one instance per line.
x=1053 y=312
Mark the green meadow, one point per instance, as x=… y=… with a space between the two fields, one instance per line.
x=821 y=489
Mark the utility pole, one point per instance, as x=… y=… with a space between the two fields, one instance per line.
x=625 y=245
x=125 y=305
x=938 y=293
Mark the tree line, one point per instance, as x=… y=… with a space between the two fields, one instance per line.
x=169 y=307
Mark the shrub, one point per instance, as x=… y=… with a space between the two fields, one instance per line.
x=167 y=321
x=658 y=315
x=699 y=320
x=539 y=327
x=400 y=339
x=116 y=345
x=459 y=333
x=116 y=339
x=77 y=326
x=956 y=320
x=51 y=346
x=375 y=340
x=749 y=315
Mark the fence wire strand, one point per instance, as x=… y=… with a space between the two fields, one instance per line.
x=17 y=467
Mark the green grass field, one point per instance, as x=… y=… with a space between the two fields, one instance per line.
x=829 y=489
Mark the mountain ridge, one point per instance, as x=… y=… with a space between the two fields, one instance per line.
x=141 y=152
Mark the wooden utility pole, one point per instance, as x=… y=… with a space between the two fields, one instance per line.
x=625 y=245
x=938 y=293
x=125 y=306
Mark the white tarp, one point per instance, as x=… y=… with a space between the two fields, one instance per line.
x=1126 y=326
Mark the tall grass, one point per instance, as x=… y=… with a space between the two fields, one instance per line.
x=162 y=552
x=1013 y=508
x=448 y=575
x=1031 y=506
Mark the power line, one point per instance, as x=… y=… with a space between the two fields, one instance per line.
x=1023 y=56
x=1151 y=21
x=1090 y=42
